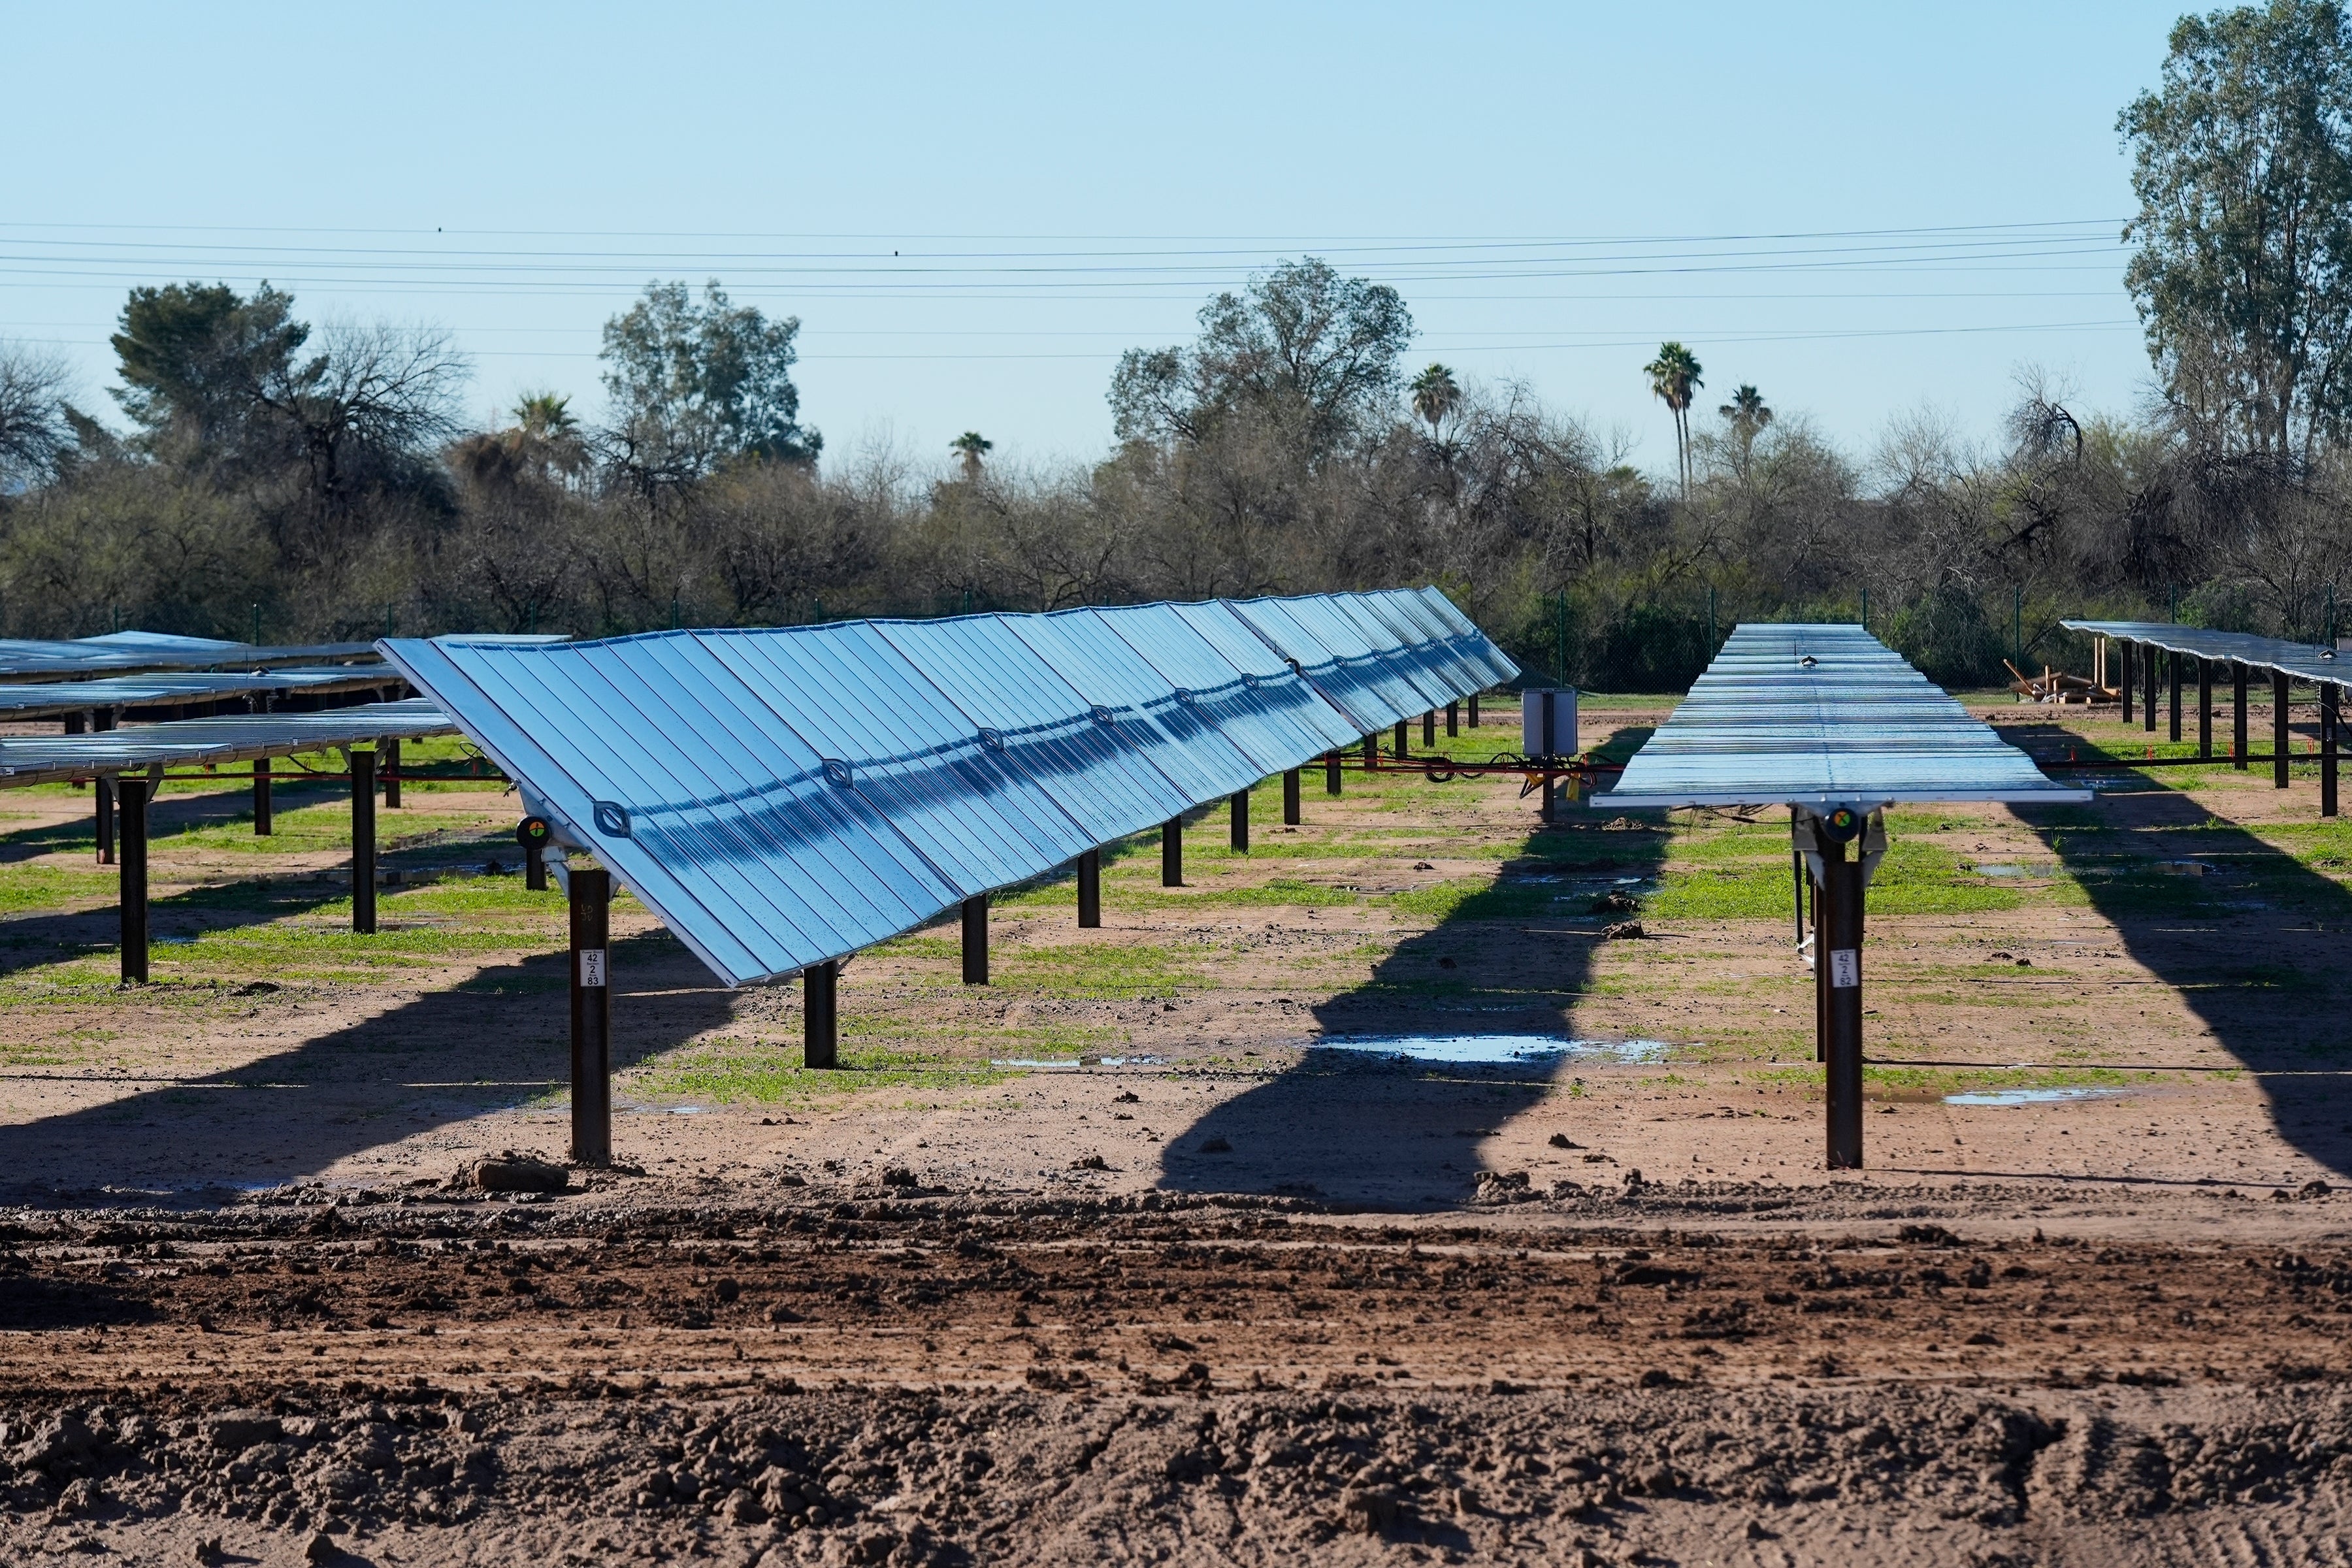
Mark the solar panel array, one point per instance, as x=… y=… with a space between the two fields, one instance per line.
x=784 y=797
x=2302 y=660
x=1823 y=716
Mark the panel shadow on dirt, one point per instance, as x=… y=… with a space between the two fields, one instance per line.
x=1357 y=1127
x=2252 y=937
x=46 y=936
x=498 y=1040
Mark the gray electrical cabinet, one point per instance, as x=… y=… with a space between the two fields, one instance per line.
x=1547 y=721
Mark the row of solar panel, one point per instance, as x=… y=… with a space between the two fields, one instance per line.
x=784 y=797
x=1821 y=715
x=2305 y=661
x=211 y=742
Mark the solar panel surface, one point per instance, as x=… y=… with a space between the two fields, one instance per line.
x=783 y=797
x=124 y=653
x=1823 y=716
x=191 y=742
x=49 y=698
x=2305 y=661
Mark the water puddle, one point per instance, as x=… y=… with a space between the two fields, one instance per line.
x=2029 y=1096
x=1071 y=1064
x=1496 y=1050
x=2022 y=868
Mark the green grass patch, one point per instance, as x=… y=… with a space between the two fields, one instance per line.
x=1104 y=972
x=41 y=885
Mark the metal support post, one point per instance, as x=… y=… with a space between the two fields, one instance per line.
x=1429 y=731
x=1821 y=984
x=2205 y=709
x=133 y=871
x=591 y=1017
x=1453 y=718
x=820 y=1014
x=975 y=940
x=1331 y=772
x=1371 y=752
x=364 y=842
x=2330 y=718
x=1240 y=822
x=1090 y=889
x=1841 y=961
x=2147 y=707
x=261 y=826
x=2238 y=715
x=1402 y=743
x=391 y=776
x=1474 y=710
x=74 y=723
x=1290 y=813
x=1171 y=853
x=2279 y=736
x=2124 y=677
x=101 y=721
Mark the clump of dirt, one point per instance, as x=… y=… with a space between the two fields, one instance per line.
x=510 y=1172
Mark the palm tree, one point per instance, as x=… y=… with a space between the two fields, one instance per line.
x=546 y=416
x=1434 y=395
x=1748 y=414
x=1673 y=377
x=973 y=446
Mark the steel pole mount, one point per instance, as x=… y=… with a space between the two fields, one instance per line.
x=1822 y=837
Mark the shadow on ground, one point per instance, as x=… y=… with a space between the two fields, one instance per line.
x=30 y=940
x=2255 y=946
x=1510 y=959
x=500 y=1040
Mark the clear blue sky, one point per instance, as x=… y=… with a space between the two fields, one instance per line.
x=1059 y=183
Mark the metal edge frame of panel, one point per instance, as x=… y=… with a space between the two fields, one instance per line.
x=783 y=798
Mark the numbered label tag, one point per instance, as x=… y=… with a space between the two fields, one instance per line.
x=591 y=966
x=1845 y=968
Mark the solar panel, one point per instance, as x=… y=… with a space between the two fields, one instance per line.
x=2305 y=661
x=124 y=653
x=785 y=798
x=48 y=699
x=1823 y=716
x=193 y=743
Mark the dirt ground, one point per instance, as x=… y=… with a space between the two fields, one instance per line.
x=1200 y=1287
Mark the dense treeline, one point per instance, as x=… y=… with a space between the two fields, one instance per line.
x=320 y=484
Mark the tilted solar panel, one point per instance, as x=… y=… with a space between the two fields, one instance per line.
x=2313 y=662
x=780 y=798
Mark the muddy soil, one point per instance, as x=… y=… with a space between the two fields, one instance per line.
x=890 y=1373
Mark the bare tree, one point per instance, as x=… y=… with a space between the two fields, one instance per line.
x=34 y=425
